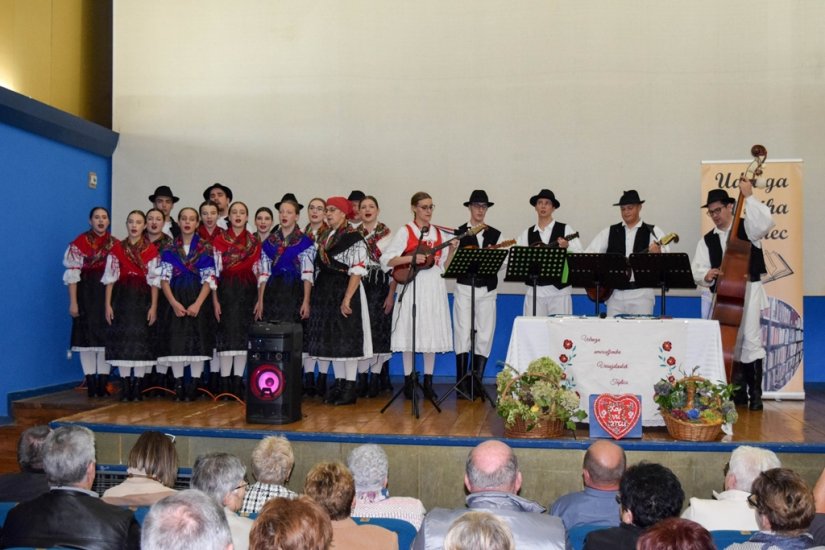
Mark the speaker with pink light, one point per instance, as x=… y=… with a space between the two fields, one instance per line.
x=274 y=373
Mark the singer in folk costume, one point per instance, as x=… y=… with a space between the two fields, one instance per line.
x=432 y=330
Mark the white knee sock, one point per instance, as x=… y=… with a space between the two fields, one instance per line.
x=125 y=372
x=238 y=364
x=177 y=368
x=351 y=367
x=340 y=369
x=226 y=364
x=88 y=362
x=429 y=363
x=102 y=366
x=139 y=372
x=196 y=368
x=364 y=365
x=407 y=357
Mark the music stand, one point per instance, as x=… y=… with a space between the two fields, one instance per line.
x=588 y=270
x=537 y=265
x=474 y=262
x=665 y=271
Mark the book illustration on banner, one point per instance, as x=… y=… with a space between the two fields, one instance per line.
x=617 y=415
x=776 y=265
x=782 y=334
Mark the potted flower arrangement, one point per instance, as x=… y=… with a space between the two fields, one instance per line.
x=540 y=402
x=695 y=408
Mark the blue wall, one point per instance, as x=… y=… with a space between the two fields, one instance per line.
x=47 y=200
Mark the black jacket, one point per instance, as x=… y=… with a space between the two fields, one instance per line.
x=65 y=517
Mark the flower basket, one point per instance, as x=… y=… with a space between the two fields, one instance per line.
x=538 y=403
x=545 y=428
x=693 y=408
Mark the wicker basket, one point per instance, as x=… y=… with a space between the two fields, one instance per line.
x=689 y=431
x=545 y=428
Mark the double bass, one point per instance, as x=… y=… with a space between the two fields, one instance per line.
x=729 y=300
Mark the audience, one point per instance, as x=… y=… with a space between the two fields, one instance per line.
x=287 y=524
x=70 y=514
x=729 y=509
x=676 y=534
x=221 y=476
x=332 y=486
x=784 y=510
x=370 y=468
x=602 y=469
x=30 y=481
x=152 y=469
x=185 y=520
x=272 y=462
x=493 y=479
x=476 y=530
x=648 y=493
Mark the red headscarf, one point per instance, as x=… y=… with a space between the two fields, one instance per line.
x=341 y=204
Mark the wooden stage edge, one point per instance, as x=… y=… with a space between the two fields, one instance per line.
x=784 y=426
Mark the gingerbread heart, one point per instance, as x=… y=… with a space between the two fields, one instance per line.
x=617 y=414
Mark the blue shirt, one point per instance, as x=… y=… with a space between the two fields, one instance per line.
x=591 y=507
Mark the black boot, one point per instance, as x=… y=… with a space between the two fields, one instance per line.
x=349 y=395
x=190 y=390
x=460 y=370
x=126 y=391
x=755 y=386
x=409 y=387
x=374 y=385
x=180 y=393
x=170 y=382
x=91 y=385
x=238 y=386
x=321 y=385
x=737 y=378
x=334 y=393
x=309 y=384
x=479 y=364
x=361 y=385
x=138 y=385
x=102 y=383
x=429 y=393
x=214 y=383
x=384 y=377
x=224 y=388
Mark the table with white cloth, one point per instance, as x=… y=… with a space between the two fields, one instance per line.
x=619 y=356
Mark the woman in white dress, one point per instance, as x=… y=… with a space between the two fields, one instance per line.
x=428 y=291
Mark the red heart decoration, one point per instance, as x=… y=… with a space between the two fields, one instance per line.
x=617 y=414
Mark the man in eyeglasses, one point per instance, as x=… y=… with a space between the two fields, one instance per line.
x=729 y=509
x=706 y=263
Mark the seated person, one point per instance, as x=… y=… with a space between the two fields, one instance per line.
x=152 y=469
x=784 y=508
x=602 y=470
x=676 y=533
x=221 y=476
x=479 y=530
x=729 y=509
x=493 y=479
x=272 y=462
x=30 y=481
x=648 y=493
x=370 y=468
x=331 y=485
x=817 y=528
x=70 y=514
x=185 y=520
x=287 y=524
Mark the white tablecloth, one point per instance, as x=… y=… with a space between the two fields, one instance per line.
x=620 y=355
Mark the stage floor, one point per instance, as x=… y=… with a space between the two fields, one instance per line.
x=797 y=425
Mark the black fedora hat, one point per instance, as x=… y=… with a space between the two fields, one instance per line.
x=718 y=195
x=288 y=197
x=545 y=194
x=163 y=191
x=629 y=197
x=220 y=186
x=356 y=195
x=479 y=196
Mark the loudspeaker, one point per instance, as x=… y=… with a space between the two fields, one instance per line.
x=274 y=373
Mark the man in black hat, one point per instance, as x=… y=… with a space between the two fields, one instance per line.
x=355 y=198
x=709 y=251
x=485 y=297
x=222 y=196
x=550 y=299
x=163 y=199
x=630 y=236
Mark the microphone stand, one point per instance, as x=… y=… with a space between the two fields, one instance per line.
x=416 y=385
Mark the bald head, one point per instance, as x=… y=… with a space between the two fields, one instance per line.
x=604 y=464
x=492 y=466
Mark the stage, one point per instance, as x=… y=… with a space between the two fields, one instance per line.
x=427 y=454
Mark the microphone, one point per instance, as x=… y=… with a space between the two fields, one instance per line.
x=425 y=230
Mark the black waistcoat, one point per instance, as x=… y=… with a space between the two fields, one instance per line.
x=491 y=236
